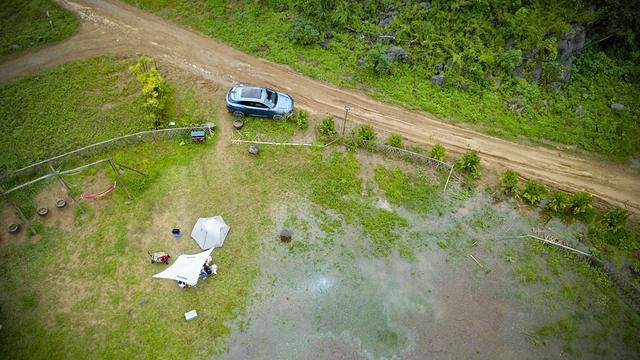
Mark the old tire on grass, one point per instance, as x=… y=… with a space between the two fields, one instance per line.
x=278 y=117
x=238 y=124
x=43 y=211
x=13 y=228
x=238 y=114
x=61 y=203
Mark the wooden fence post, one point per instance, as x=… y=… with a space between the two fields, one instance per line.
x=448 y=177
x=118 y=179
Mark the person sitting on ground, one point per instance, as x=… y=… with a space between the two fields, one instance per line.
x=207 y=269
x=203 y=274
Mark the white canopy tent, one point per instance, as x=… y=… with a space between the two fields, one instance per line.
x=210 y=232
x=186 y=268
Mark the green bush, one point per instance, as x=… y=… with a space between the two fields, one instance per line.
x=611 y=228
x=364 y=136
x=302 y=120
x=558 y=203
x=395 y=141
x=533 y=192
x=615 y=219
x=377 y=61
x=303 y=32
x=327 y=128
x=580 y=204
x=468 y=164
x=438 y=152
x=509 y=182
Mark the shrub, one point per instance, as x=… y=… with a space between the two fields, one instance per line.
x=155 y=88
x=611 y=228
x=395 y=141
x=438 y=152
x=615 y=219
x=558 y=202
x=509 y=182
x=364 y=136
x=377 y=61
x=327 y=128
x=469 y=164
x=303 y=32
x=533 y=192
x=580 y=204
x=301 y=119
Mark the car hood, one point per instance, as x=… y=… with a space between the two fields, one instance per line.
x=285 y=103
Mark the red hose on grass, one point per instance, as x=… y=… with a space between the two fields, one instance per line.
x=99 y=194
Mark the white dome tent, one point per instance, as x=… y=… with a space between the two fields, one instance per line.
x=210 y=232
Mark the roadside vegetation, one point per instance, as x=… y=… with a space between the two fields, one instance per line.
x=609 y=235
x=560 y=72
x=29 y=24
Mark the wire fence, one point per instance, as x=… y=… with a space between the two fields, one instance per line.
x=120 y=141
x=344 y=136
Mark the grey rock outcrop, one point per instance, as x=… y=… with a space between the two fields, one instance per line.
x=438 y=79
x=396 y=53
x=617 y=106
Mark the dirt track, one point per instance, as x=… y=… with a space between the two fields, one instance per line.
x=113 y=27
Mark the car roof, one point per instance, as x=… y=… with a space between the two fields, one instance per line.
x=248 y=93
x=251 y=93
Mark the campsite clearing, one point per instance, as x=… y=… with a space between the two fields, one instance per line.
x=371 y=270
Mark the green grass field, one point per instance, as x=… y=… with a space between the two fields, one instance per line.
x=33 y=23
x=83 y=284
x=548 y=115
x=78 y=104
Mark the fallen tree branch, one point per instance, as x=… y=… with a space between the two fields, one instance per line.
x=560 y=246
x=486 y=269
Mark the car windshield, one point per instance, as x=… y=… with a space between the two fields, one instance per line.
x=272 y=97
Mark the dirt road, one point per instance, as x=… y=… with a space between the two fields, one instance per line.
x=113 y=27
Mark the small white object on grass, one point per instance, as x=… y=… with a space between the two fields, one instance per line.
x=214 y=269
x=190 y=315
x=171 y=123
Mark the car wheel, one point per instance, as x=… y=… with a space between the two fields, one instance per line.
x=278 y=117
x=238 y=114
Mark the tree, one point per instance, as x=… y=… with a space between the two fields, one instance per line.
x=155 y=89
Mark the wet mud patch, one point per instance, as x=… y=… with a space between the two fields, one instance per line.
x=468 y=290
x=316 y=293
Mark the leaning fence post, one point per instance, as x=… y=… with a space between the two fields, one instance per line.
x=64 y=184
x=115 y=170
x=344 y=122
x=448 y=177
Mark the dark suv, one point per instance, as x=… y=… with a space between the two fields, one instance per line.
x=259 y=102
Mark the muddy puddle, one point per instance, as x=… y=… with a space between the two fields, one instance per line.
x=325 y=296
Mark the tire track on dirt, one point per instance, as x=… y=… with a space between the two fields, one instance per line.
x=112 y=27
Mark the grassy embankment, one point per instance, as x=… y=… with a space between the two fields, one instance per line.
x=579 y=114
x=30 y=24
